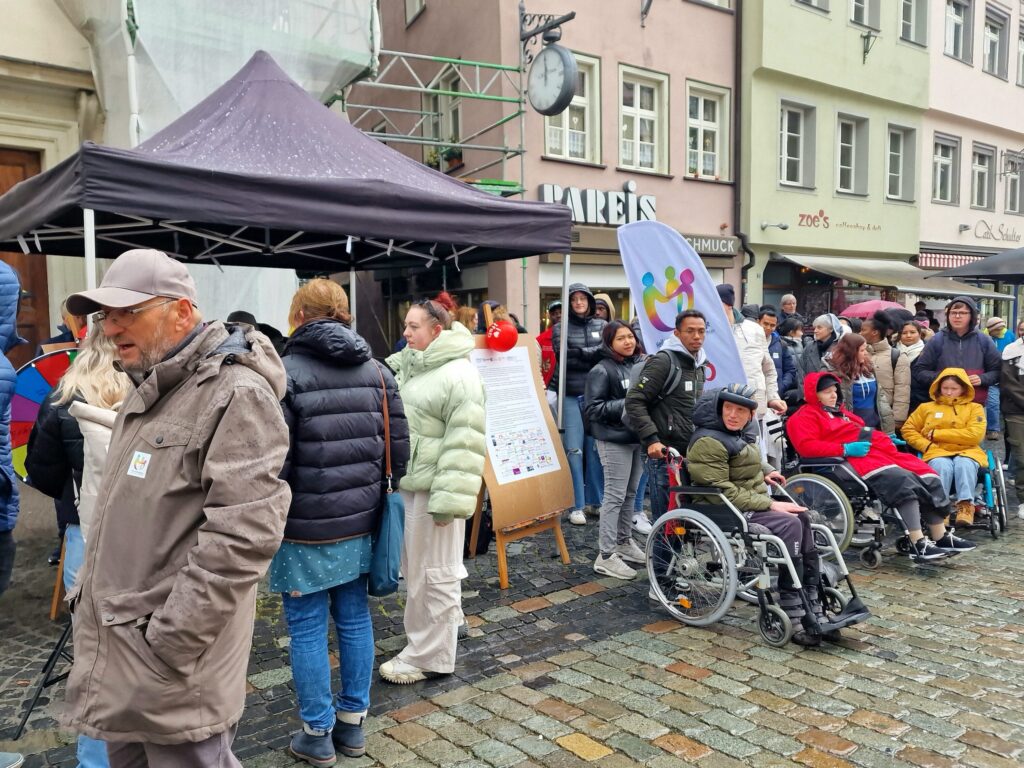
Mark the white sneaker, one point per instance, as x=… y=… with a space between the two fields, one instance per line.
x=576 y=517
x=398 y=672
x=631 y=553
x=641 y=524
x=1020 y=512
x=612 y=565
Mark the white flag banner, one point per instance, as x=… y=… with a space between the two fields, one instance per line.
x=667 y=276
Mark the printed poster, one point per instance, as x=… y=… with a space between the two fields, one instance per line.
x=518 y=442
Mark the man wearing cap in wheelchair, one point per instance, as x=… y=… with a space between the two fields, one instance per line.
x=823 y=428
x=723 y=453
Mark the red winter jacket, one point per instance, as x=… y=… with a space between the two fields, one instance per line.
x=816 y=433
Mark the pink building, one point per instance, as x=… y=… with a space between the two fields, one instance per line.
x=648 y=135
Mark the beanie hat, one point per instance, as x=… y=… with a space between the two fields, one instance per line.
x=727 y=294
x=995 y=323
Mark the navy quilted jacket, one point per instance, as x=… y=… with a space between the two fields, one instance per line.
x=10 y=289
x=334 y=412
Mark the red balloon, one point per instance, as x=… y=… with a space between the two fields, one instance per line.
x=502 y=336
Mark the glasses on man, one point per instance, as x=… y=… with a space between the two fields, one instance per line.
x=959 y=313
x=125 y=317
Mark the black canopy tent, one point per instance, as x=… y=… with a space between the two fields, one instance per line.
x=1005 y=267
x=261 y=174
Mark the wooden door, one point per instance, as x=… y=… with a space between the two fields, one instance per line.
x=34 y=312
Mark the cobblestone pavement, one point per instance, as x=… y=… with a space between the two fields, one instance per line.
x=565 y=669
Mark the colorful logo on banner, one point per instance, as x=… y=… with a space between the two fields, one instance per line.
x=668 y=276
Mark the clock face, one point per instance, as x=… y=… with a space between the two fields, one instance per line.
x=552 y=80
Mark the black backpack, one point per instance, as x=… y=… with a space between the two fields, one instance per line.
x=675 y=375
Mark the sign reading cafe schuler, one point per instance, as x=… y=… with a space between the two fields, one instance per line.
x=593 y=206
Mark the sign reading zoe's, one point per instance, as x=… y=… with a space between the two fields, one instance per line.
x=592 y=206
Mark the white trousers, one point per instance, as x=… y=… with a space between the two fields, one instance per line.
x=433 y=570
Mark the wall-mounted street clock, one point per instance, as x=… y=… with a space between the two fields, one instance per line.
x=551 y=83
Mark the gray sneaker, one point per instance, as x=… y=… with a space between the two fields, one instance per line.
x=612 y=565
x=631 y=553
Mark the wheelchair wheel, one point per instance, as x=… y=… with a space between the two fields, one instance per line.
x=774 y=626
x=830 y=506
x=871 y=558
x=691 y=567
x=999 y=493
x=833 y=601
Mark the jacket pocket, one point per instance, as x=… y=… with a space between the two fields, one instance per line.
x=126 y=616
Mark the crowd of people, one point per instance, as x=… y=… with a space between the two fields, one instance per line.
x=188 y=458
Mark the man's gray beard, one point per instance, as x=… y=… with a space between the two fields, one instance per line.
x=148 y=359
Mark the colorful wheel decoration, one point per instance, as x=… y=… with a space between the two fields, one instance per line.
x=36 y=379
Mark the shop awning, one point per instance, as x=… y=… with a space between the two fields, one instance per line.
x=888 y=273
x=931 y=260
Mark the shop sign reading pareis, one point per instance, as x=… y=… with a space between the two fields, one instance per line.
x=594 y=206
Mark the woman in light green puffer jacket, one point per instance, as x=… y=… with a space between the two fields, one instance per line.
x=443 y=397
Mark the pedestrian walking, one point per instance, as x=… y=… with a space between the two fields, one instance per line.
x=89 y=393
x=444 y=403
x=583 y=349
x=190 y=512
x=334 y=408
x=619 y=448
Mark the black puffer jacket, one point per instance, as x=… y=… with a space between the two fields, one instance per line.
x=583 y=346
x=607 y=384
x=333 y=408
x=54 y=460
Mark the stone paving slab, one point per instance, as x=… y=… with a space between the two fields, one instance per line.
x=566 y=669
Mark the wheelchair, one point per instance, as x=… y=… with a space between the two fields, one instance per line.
x=700 y=558
x=993 y=518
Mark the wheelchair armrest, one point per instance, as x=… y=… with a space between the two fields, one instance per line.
x=696 y=490
x=824 y=461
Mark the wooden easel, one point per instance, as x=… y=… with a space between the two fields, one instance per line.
x=533 y=505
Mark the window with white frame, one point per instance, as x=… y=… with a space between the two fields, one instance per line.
x=796 y=145
x=821 y=5
x=1014 y=164
x=643 y=120
x=867 y=13
x=575 y=134
x=994 y=45
x=946 y=170
x=959 y=18
x=851 y=155
x=983 y=177
x=914 y=21
x=1020 y=57
x=413 y=8
x=900 y=163
x=443 y=111
x=707 y=131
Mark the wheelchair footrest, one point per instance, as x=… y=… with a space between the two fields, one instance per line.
x=855 y=612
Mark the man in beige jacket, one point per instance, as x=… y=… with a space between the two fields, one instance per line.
x=189 y=513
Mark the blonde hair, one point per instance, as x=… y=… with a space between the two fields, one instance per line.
x=318 y=299
x=92 y=375
x=466 y=316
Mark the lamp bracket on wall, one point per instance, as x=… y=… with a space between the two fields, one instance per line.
x=868 y=38
x=645 y=8
x=533 y=25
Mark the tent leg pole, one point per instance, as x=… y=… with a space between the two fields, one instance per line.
x=352 y=296
x=563 y=342
x=89 y=217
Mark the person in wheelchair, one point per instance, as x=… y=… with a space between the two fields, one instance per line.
x=947 y=432
x=723 y=453
x=823 y=428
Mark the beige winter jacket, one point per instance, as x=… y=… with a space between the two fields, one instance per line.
x=95 y=424
x=188 y=516
x=895 y=382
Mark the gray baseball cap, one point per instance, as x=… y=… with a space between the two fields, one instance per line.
x=134 y=277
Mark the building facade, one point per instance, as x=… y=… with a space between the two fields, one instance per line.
x=648 y=135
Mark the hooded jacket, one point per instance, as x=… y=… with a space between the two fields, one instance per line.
x=443 y=397
x=605 y=299
x=10 y=292
x=583 y=344
x=190 y=512
x=670 y=419
x=605 y=401
x=948 y=427
x=757 y=364
x=817 y=432
x=334 y=411
x=726 y=459
x=973 y=351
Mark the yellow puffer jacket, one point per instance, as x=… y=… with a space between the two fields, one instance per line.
x=946 y=427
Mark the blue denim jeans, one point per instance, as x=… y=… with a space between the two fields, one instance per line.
x=992 y=415
x=641 y=490
x=958 y=471
x=573 y=440
x=657 y=482
x=91 y=753
x=594 y=473
x=307 y=618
